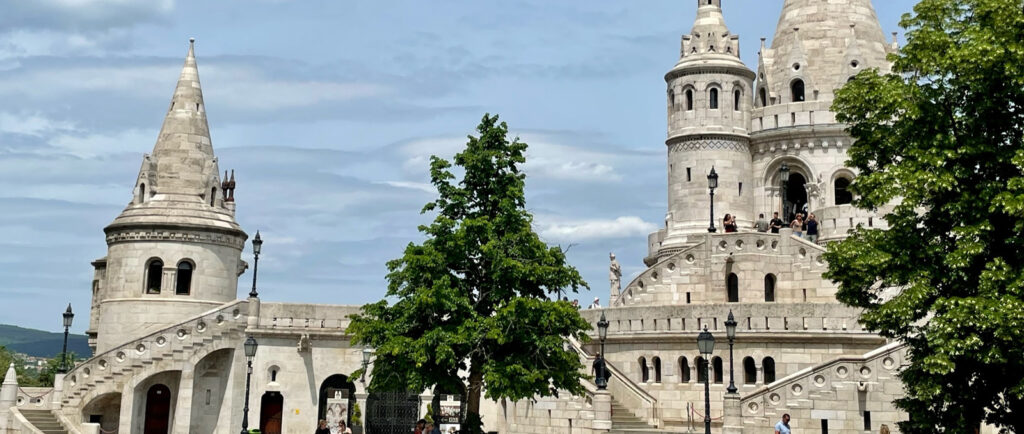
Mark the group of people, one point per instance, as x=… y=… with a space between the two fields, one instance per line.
x=342 y=428
x=782 y=427
x=424 y=427
x=804 y=228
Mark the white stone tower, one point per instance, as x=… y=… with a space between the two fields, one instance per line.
x=175 y=251
x=709 y=94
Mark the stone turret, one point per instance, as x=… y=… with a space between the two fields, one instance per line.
x=8 y=397
x=709 y=93
x=175 y=249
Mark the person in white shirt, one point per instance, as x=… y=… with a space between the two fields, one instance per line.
x=783 y=426
x=596 y=304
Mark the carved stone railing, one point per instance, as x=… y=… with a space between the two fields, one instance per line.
x=625 y=391
x=751 y=317
x=306 y=317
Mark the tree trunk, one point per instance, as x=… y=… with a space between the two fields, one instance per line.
x=476 y=383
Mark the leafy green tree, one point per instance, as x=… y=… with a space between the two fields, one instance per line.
x=473 y=298
x=941 y=138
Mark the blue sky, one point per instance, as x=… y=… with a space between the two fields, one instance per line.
x=328 y=111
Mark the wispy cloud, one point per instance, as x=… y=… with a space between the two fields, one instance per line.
x=570 y=230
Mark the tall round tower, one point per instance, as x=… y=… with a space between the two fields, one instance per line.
x=175 y=250
x=709 y=94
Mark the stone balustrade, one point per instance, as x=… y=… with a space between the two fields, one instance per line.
x=750 y=317
x=289 y=316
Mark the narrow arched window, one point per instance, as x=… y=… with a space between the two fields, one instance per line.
x=154 y=276
x=733 y=287
x=645 y=375
x=702 y=370
x=768 y=364
x=749 y=371
x=657 y=369
x=671 y=98
x=769 y=288
x=736 y=95
x=689 y=99
x=717 y=367
x=713 y=99
x=842 y=191
x=763 y=94
x=684 y=370
x=142 y=192
x=798 y=90
x=213 y=196
x=183 y=280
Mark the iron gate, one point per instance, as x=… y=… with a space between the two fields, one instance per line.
x=391 y=412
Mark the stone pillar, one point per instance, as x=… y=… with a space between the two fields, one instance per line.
x=732 y=420
x=183 y=405
x=8 y=397
x=361 y=402
x=254 y=313
x=58 y=389
x=90 y=428
x=426 y=398
x=602 y=410
x=127 y=419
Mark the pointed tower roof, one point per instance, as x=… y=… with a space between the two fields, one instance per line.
x=710 y=43
x=820 y=32
x=179 y=183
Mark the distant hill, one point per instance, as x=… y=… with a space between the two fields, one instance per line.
x=40 y=343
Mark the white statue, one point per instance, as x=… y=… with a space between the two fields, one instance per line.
x=615 y=275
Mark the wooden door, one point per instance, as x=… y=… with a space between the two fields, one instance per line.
x=158 y=409
x=271 y=409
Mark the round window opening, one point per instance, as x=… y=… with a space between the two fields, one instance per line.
x=796 y=66
x=854 y=64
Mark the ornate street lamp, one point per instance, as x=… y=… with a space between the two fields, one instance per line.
x=68 y=317
x=784 y=176
x=600 y=368
x=730 y=330
x=706 y=345
x=250 y=352
x=367 y=355
x=712 y=185
x=257 y=244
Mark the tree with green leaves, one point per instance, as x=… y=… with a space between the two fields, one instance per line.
x=475 y=306
x=940 y=139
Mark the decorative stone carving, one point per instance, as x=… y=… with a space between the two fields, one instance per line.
x=710 y=144
x=614 y=275
x=304 y=343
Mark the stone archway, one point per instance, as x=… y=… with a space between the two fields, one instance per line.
x=105 y=410
x=337 y=397
x=158 y=410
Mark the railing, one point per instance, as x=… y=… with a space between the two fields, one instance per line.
x=750 y=317
x=642 y=404
x=35 y=398
x=304 y=316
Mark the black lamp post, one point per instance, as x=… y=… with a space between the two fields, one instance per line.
x=712 y=185
x=250 y=352
x=257 y=243
x=706 y=345
x=784 y=176
x=68 y=317
x=367 y=355
x=730 y=331
x=600 y=369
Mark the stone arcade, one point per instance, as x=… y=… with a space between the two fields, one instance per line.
x=167 y=326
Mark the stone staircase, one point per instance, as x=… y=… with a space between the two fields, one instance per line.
x=44 y=420
x=624 y=422
x=166 y=349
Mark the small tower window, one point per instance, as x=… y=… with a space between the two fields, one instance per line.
x=142 y=192
x=183 y=280
x=644 y=373
x=657 y=369
x=702 y=370
x=749 y=371
x=717 y=367
x=689 y=99
x=842 y=191
x=671 y=98
x=763 y=94
x=736 y=100
x=733 y=284
x=213 y=196
x=768 y=364
x=684 y=370
x=154 y=276
x=798 y=90
x=713 y=99
x=769 y=288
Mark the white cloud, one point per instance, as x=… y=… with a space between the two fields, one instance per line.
x=31 y=124
x=421 y=186
x=622 y=227
x=94 y=14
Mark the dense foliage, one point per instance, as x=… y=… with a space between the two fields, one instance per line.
x=941 y=138
x=29 y=377
x=475 y=303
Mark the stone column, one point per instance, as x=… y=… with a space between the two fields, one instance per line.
x=8 y=397
x=58 y=389
x=426 y=398
x=602 y=410
x=253 y=320
x=732 y=421
x=127 y=417
x=361 y=402
x=183 y=405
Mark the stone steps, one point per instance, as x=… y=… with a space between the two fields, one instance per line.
x=45 y=421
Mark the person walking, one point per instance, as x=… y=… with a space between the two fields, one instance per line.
x=776 y=223
x=798 y=225
x=783 y=426
x=812 y=228
x=322 y=428
x=761 y=225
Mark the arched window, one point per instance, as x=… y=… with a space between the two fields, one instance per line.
x=689 y=99
x=798 y=90
x=842 y=190
x=645 y=375
x=749 y=371
x=154 y=275
x=702 y=370
x=733 y=286
x=769 y=288
x=213 y=196
x=768 y=364
x=142 y=192
x=736 y=95
x=713 y=99
x=717 y=367
x=763 y=94
x=657 y=369
x=183 y=280
x=684 y=370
